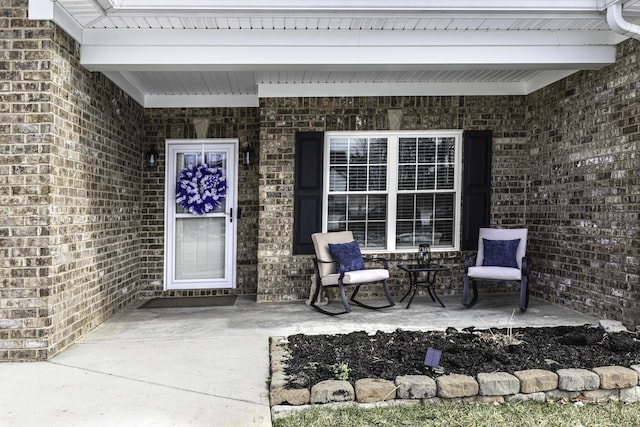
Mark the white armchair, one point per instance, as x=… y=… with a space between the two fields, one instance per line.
x=501 y=257
x=339 y=263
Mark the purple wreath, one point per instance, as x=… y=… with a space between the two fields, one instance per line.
x=201 y=189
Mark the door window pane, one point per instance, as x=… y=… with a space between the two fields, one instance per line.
x=199 y=248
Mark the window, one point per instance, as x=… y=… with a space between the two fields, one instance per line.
x=394 y=190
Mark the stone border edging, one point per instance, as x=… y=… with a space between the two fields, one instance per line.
x=595 y=385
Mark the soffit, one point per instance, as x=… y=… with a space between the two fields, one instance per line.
x=217 y=53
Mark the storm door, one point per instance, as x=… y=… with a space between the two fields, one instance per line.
x=200 y=228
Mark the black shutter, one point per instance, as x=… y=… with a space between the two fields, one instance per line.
x=307 y=203
x=476 y=186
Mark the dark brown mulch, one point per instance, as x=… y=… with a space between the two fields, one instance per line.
x=315 y=358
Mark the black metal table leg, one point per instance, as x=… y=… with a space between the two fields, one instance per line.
x=429 y=283
x=413 y=288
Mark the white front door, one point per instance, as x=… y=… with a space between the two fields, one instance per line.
x=200 y=227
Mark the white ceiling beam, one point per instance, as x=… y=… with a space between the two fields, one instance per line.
x=227 y=58
x=270 y=37
x=210 y=50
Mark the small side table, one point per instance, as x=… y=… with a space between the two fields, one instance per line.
x=429 y=281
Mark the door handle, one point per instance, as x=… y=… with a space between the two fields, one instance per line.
x=230 y=214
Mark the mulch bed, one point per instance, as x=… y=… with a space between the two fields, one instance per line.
x=315 y=358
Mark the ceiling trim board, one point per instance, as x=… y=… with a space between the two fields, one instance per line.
x=66 y=22
x=121 y=80
x=314 y=5
x=546 y=78
x=317 y=90
x=200 y=101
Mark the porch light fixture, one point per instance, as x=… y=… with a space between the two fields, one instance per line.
x=151 y=158
x=248 y=155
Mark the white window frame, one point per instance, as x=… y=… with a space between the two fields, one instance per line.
x=393 y=138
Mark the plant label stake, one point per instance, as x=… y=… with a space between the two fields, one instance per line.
x=432 y=359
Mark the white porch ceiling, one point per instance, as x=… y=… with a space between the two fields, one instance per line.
x=207 y=53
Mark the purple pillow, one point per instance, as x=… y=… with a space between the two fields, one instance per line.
x=348 y=254
x=500 y=253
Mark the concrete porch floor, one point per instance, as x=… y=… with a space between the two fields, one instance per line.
x=210 y=366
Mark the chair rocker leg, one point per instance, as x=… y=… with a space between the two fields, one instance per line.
x=328 y=313
x=386 y=293
x=524 y=294
x=314 y=300
x=465 y=292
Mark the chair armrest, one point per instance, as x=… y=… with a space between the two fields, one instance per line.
x=385 y=263
x=470 y=261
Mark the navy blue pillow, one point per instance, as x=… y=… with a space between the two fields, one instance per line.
x=348 y=254
x=500 y=253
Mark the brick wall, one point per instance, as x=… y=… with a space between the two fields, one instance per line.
x=25 y=138
x=95 y=225
x=565 y=164
x=70 y=167
x=281 y=118
x=584 y=199
x=82 y=223
x=162 y=124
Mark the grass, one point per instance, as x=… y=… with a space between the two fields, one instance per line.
x=524 y=414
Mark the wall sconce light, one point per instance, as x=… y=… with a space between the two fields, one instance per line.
x=248 y=155
x=151 y=158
